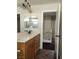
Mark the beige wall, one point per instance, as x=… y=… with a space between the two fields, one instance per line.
x=37 y=10
x=47 y=24
x=53 y=19
x=23 y=14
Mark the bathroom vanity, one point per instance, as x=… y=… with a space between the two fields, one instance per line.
x=27 y=45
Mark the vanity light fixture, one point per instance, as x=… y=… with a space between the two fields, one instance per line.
x=27 y=5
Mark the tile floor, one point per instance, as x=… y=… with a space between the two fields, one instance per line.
x=45 y=54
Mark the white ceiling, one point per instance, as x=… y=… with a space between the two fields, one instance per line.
x=38 y=2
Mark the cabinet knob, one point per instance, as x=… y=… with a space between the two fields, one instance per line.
x=18 y=51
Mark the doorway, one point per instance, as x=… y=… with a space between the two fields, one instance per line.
x=18 y=23
x=49 y=30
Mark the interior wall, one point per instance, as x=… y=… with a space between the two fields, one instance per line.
x=37 y=10
x=48 y=27
x=47 y=24
x=53 y=19
x=23 y=13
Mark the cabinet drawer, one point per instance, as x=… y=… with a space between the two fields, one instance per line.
x=20 y=45
x=20 y=50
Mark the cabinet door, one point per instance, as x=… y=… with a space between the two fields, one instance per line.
x=30 y=49
x=20 y=50
x=37 y=42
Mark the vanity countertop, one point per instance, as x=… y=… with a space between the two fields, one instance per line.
x=24 y=37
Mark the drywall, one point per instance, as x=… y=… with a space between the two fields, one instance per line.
x=53 y=19
x=37 y=10
x=47 y=24
x=43 y=7
x=23 y=13
x=48 y=28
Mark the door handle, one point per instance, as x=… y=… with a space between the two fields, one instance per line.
x=57 y=35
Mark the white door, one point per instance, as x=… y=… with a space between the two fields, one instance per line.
x=57 y=22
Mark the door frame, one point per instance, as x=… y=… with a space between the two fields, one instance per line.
x=57 y=27
x=41 y=36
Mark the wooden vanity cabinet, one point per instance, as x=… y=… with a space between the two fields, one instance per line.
x=28 y=49
x=32 y=47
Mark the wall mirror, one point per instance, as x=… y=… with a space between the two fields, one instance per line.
x=31 y=22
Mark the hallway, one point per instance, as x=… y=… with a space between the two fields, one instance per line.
x=45 y=54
